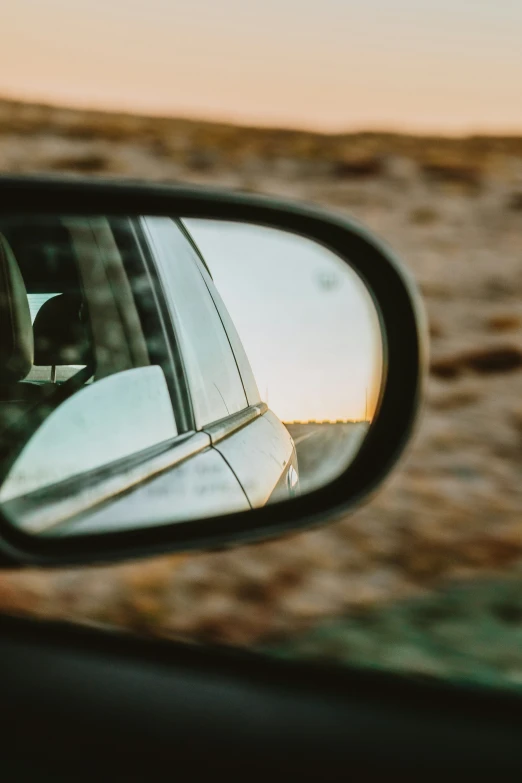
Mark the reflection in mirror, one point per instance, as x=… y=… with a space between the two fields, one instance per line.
x=157 y=370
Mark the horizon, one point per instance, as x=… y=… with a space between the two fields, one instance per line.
x=327 y=421
x=222 y=121
x=376 y=130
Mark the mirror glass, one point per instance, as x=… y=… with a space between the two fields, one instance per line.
x=157 y=369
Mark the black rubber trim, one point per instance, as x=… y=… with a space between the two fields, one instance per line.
x=402 y=318
x=188 y=236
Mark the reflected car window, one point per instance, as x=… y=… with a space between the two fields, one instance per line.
x=216 y=386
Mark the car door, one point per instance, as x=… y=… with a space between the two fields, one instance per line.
x=226 y=403
x=263 y=454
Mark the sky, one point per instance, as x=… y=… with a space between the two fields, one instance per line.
x=452 y=66
x=308 y=324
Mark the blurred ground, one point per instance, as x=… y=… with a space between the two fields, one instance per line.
x=472 y=631
x=452 y=208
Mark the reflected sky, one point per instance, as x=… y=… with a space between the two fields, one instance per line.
x=307 y=322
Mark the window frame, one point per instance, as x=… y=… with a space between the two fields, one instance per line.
x=168 y=356
x=235 y=416
x=244 y=368
x=242 y=361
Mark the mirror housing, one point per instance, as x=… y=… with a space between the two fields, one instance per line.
x=403 y=324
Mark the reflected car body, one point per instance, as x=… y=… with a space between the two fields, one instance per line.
x=194 y=408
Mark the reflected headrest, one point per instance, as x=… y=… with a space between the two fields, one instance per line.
x=61 y=335
x=16 y=333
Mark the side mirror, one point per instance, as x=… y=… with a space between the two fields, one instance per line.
x=190 y=368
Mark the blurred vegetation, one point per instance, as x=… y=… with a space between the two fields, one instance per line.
x=204 y=145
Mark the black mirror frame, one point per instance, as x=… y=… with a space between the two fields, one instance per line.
x=402 y=316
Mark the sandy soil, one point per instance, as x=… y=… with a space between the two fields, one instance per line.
x=451 y=512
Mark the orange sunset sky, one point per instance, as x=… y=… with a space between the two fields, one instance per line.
x=427 y=65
